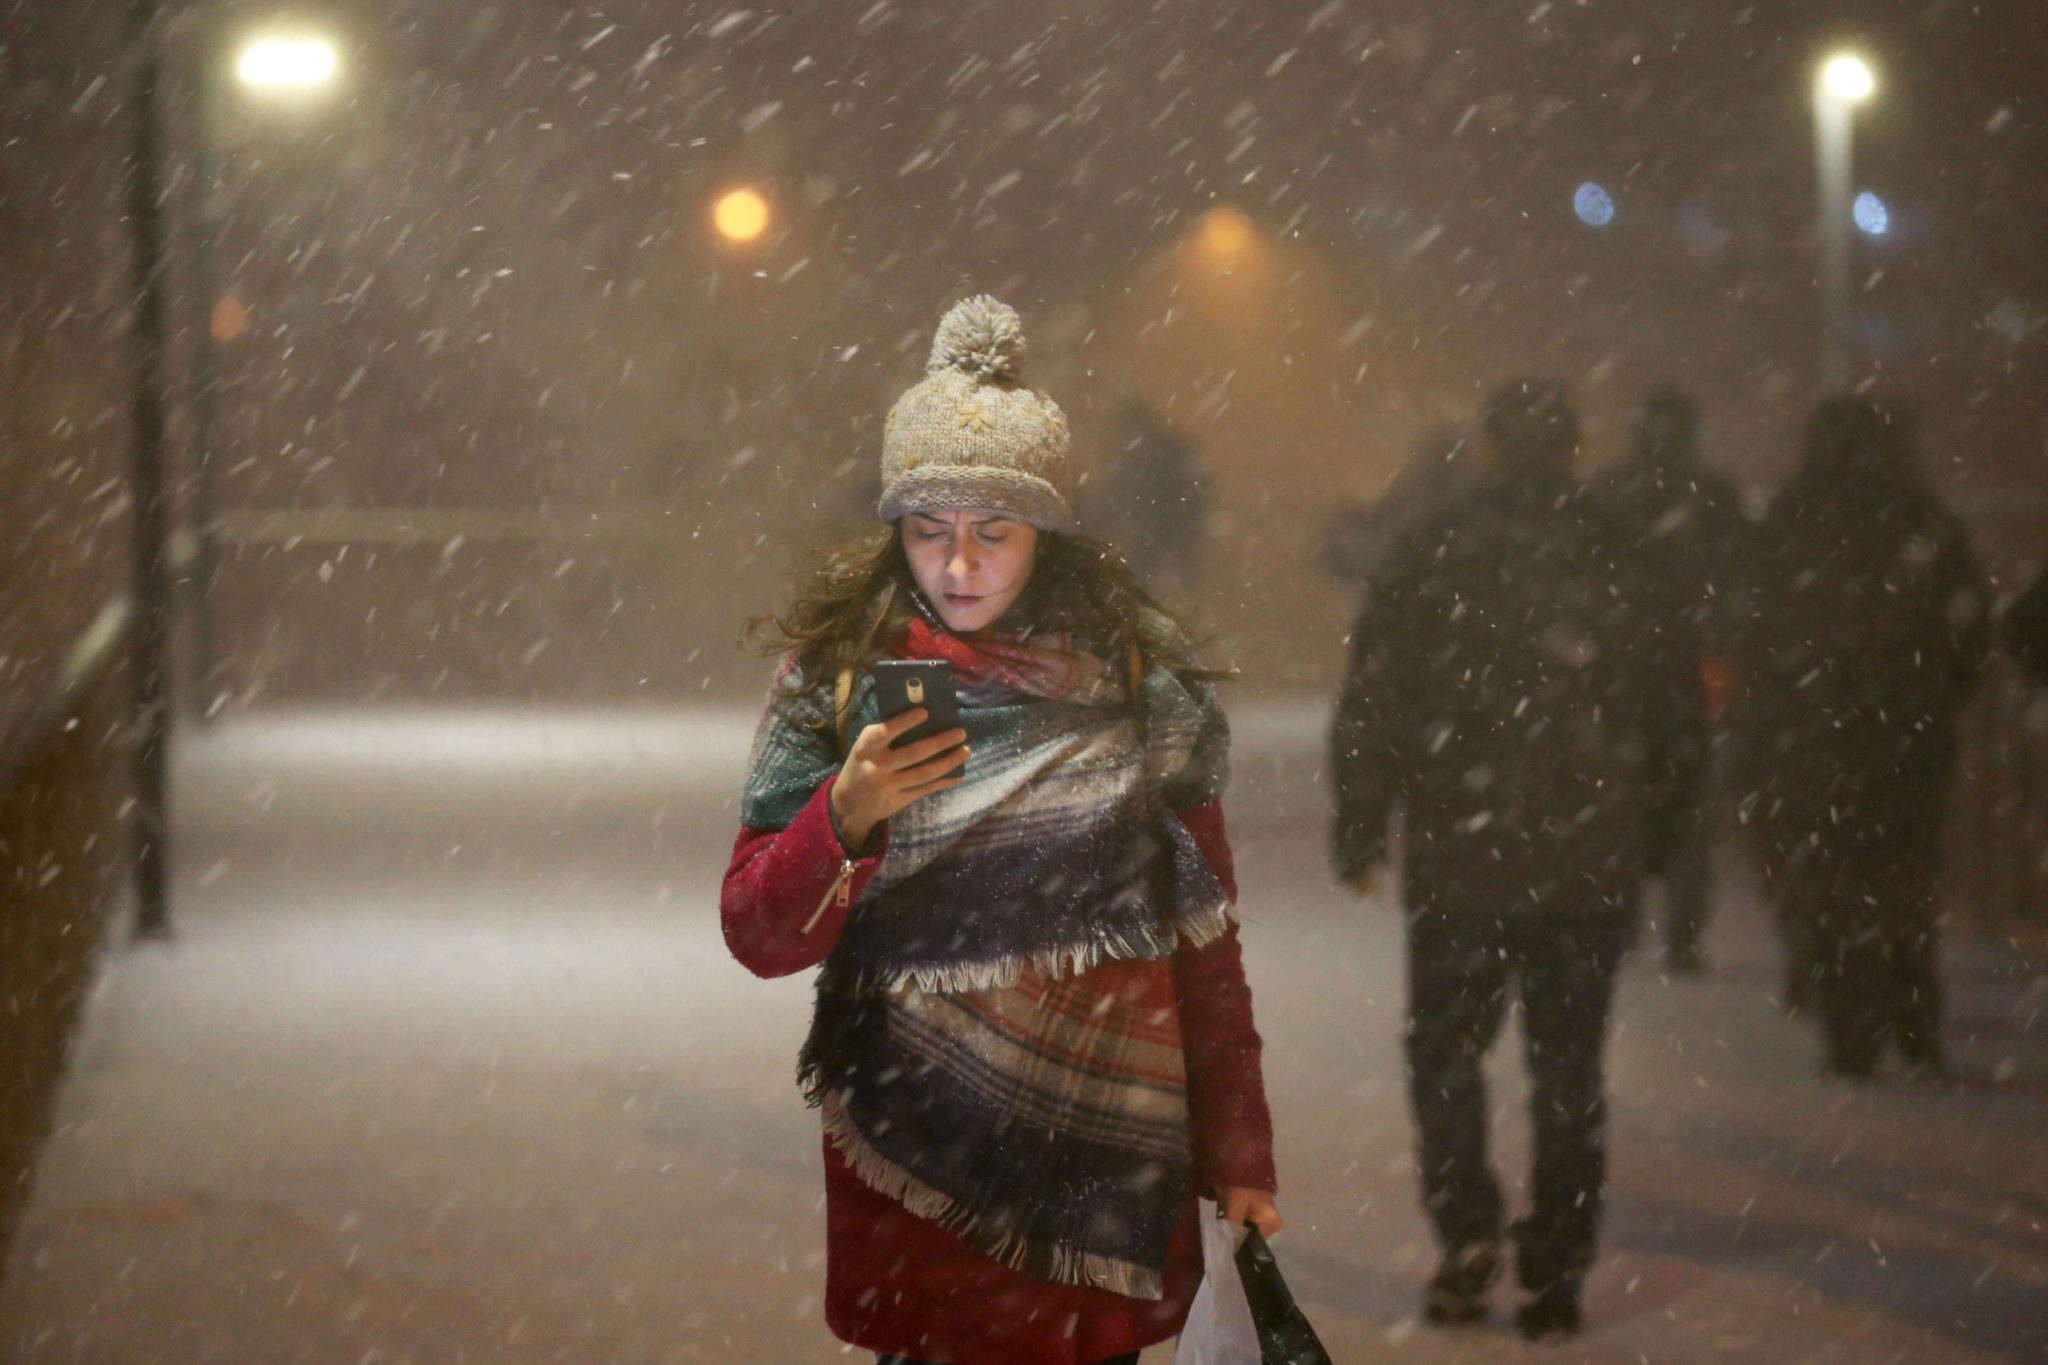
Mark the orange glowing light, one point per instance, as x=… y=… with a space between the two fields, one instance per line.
x=1226 y=233
x=229 y=318
x=741 y=215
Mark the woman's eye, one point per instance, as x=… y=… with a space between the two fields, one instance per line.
x=993 y=540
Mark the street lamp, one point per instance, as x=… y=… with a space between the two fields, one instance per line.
x=1225 y=237
x=740 y=215
x=1848 y=77
x=1845 y=81
x=289 y=63
x=268 y=67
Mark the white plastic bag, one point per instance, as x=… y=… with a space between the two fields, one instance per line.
x=1219 y=1329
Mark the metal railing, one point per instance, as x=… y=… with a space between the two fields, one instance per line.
x=89 y=656
x=62 y=787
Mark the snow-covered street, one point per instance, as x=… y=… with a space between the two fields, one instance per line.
x=448 y=1063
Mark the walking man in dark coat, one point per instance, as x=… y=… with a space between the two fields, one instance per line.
x=1525 y=684
x=1683 y=513
x=1871 y=625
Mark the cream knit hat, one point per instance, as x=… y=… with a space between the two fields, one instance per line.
x=970 y=434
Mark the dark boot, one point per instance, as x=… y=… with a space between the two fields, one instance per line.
x=1458 y=1293
x=1550 y=1314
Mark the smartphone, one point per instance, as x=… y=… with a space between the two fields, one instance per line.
x=902 y=684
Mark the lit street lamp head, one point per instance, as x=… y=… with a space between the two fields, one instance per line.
x=1225 y=238
x=741 y=215
x=1848 y=78
x=296 y=63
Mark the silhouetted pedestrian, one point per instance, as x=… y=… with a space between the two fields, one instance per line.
x=1525 y=683
x=1691 y=518
x=2025 y=632
x=1155 y=485
x=1870 y=625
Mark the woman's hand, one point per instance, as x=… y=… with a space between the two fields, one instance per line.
x=1241 y=1206
x=876 y=781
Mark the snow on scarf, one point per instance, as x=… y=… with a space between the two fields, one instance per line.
x=967 y=1062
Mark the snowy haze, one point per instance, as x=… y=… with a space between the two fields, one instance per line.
x=448 y=1061
x=501 y=414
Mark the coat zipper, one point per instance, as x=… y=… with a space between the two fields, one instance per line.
x=840 y=893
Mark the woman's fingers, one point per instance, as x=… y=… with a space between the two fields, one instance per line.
x=910 y=756
x=1237 y=1206
x=951 y=777
x=1242 y=1205
x=896 y=727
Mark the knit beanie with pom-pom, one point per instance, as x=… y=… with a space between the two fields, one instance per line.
x=970 y=434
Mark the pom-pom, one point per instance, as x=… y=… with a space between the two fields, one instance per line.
x=983 y=336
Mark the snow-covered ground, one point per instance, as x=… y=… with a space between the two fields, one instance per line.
x=448 y=1063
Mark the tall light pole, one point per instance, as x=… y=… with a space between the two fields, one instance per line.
x=269 y=68
x=150 y=575
x=1843 y=82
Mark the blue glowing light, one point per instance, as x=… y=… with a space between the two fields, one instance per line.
x=1871 y=215
x=1595 y=206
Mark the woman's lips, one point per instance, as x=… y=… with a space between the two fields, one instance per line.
x=961 y=599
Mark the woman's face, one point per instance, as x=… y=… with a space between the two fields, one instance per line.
x=971 y=564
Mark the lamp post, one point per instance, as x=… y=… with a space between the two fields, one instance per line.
x=1843 y=82
x=270 y=67
x=150 y=577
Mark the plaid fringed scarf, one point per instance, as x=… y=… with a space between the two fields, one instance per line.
x=994 y=1045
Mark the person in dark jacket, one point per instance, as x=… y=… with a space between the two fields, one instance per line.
x=1525 y=683
x=1871 y=623
x=1154 y=479
x=1685 y=514
x=2025 y=633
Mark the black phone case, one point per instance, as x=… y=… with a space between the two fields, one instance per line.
x=901 y=684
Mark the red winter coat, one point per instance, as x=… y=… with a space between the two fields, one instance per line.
x=897 y=1284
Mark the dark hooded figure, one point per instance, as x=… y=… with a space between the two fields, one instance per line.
x=1156 y=481
x=1691 y=518
x=1870 y=625
x=1525 y=684
x=2026 y=631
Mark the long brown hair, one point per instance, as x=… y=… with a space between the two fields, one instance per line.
x=860 y=591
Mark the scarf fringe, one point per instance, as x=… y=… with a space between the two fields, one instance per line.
x=1198 y=928
x=1063 y=1265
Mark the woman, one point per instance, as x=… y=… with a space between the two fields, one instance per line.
x=1033 y=1042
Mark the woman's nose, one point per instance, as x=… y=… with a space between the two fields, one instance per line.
x=960 y=565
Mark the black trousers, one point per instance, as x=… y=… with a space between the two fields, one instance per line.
x=1866 y=933
x=1689 y=879
x=1462 y=971
x=1689 y=889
